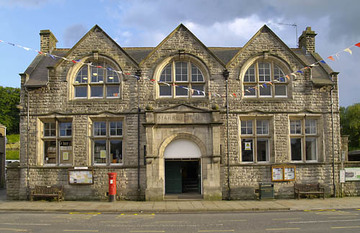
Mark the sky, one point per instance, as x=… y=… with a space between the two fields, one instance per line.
x=217 y=23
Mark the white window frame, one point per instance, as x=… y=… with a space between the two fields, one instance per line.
x=60 y=149
x=108 y=138
x=107 y=69
x=249 y=130
x=253 y=85
x=190 y=86
x=309 y=129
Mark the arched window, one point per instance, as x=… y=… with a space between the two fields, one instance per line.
x=265 y=79
x=97 y=80
x=181 y=79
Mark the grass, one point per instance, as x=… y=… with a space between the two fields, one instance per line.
x=12 y=138
x=12 y=154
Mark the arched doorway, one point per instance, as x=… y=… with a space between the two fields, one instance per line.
x=182 y=167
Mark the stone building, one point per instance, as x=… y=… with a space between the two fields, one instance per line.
x=2 y=154
x=178 y=118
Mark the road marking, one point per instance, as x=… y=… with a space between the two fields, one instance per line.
x=26 y=224
x=346 y=227
x=234 y=220
x=282 y=229
x=216 y=230
x=321 y=210
x=284 y=219
x=325 y=221
x=92 y=213
x=147 y=231
x=13 y=229
x=81 y=230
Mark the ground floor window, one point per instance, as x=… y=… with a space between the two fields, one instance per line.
x=57 y=142
x=304 y=139
x=255 y=140
x=107 y=142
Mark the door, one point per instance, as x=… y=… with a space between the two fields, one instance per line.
x=173 y=177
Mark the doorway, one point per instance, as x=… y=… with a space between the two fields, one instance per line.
x=182 y=176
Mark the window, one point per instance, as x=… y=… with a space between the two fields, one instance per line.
x=181 y=79
x=265 y=79
x=107 y=138
x=255 y=137
x=57 y=142
x=303 y=139
x=98 y=80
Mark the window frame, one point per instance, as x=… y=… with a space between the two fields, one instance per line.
x=253 y=85
x=84 y=78
x=59 y=145
x=250 y=132
x=189 y=87
x=303 y=137
x=108 y=139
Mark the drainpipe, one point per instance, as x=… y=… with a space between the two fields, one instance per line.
x=333 y=139
x=27 y=146
x=226 y=76
x=138 y=75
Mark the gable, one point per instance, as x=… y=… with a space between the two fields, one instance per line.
x=96 y=40
x=180 y=41
x=265 y=40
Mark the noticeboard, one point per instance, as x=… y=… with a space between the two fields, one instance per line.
x=283 y=173
x=81 y=177
x=352 y=174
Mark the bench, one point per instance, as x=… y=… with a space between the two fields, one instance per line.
x=308 y=189
x=47 y=192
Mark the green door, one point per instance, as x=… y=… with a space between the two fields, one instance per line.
x=173 y=178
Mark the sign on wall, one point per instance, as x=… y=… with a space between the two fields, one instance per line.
x=81 y=177
x=352 y=174
x=283 y=173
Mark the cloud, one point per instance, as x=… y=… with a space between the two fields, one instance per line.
x=73 y=34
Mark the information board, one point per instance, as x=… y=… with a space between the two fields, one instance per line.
x=283 y=173
x=352 y=174
x=81 y=177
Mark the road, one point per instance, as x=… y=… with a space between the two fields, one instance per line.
x=329 y=221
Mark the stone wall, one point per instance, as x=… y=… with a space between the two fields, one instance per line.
x=56 y=101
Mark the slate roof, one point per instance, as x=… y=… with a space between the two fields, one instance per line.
x=38 y=71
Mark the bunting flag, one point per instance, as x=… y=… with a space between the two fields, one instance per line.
x=247 y=89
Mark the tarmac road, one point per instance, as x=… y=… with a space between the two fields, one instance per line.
x=329 y=221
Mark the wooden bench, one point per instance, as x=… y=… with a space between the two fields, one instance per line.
x=308 y=189
x=47 y=192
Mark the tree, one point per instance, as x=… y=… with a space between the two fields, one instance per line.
x=9 y=113
x=350 y=125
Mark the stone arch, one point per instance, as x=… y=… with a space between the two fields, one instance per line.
x=186 y=136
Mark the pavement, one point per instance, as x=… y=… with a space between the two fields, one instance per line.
x=181 y=206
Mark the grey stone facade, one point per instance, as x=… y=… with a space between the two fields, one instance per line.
x=152 y=123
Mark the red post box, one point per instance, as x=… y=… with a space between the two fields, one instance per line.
x=112 y=186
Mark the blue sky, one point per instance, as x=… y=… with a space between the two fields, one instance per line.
x=144 y=23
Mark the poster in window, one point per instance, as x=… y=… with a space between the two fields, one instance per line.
x=247 y=145
x=103 y=154
x=65 y=156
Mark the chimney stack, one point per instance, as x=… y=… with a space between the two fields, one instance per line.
x=47 y=41
x=307 y=40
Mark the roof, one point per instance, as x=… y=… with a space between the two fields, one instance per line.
x=320 y=73
x=38 y=69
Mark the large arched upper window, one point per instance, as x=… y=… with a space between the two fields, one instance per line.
x=265 y=79
x=97 y=80
x=181 y=79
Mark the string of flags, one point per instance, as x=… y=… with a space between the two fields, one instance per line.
x=332 y=57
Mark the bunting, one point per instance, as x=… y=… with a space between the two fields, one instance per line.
x=199 y=92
